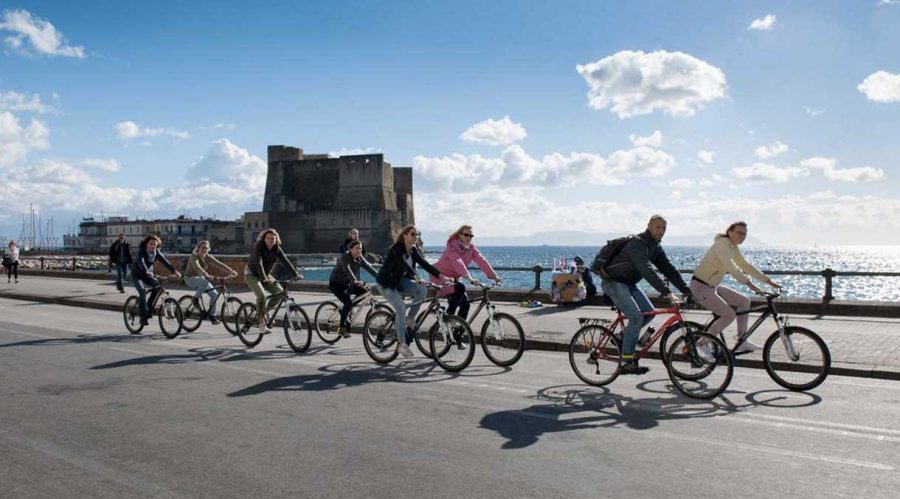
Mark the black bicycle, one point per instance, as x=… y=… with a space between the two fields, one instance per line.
x=795 y=357
x=297 y=327
x=169 y=314
x=502 y=337
x=452 y=341
x=328 y=314
x=195 y=310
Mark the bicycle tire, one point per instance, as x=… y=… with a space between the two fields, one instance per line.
x=452 y=344
x=678 y=327
x=684 y=355
x=247 y=325
x=228 y=314
x=328 y=322
x=820 y=368
x=604 y=364
x=170 y=318
x=380 y=337
x=131 y=314
x=192 y=316
x=507 y=343
x=297 y=329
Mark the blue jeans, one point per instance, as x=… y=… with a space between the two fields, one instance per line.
x=200 y=285
x=143 y=285
x=394 y=296
x=121 y=274
x=632 y=302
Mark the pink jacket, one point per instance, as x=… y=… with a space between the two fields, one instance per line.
x=456 y=259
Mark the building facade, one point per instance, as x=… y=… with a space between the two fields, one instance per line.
x=179 y=235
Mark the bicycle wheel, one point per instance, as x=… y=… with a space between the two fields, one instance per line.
x=192 y=316
x=247 y=324
x=228 y=315
x=328 y=322
x=503 y=339
x=594 y=354
x=452 y=343
x=170 y=318
x=380 y=337
x=800 y=362
x=297 y=329
x=700 y=365
x=131 y=312
x=425 y=325
x=676 y=330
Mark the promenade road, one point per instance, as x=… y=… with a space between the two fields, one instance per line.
x=87 y=410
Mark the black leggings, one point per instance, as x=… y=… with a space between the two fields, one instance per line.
x=12 y=269
x=345 y=293
x=458 y=300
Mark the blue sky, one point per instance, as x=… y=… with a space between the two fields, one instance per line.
x=140 y=109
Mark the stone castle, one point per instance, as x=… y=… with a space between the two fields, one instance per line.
x=313 y=200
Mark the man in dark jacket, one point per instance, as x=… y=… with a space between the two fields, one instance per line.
x=120 y=256
x=625 y=271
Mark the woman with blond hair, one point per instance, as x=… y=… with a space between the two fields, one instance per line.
x=724 y=257
x=454 y=263
x=265 y=253
x=397 y=278
x=197 y=277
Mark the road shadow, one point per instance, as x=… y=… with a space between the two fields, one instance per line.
x=84 y=339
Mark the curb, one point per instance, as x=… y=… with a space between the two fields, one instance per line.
x=862 y=371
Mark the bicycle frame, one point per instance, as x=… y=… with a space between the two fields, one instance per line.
x=272 y=310
x=619 y=324
x=768 y=310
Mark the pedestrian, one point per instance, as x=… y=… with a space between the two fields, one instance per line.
x=11 y=262
x=354 y=236
x=120 y=256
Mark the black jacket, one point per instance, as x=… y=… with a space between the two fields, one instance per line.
x=633 y=264
x=395 y=268
x=114 y=252
x=262 y=259
x=144 y=265
x=346 y=270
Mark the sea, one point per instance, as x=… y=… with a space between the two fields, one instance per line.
x=814 y=258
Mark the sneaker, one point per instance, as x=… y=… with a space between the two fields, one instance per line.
x=213 y=320
x=379 y=341
x=748 y=346
x=404 y=350
x=632 y=367
x=345 y=332
x=705 y=352
x=265 y=330
x=122 y=291
x=17 y=281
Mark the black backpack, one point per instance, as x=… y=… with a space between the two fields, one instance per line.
x=606 y=254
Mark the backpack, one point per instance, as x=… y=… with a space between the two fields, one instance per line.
x=610 y=250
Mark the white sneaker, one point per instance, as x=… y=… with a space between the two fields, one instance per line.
x=705 y=351
x=748 y=346
x=404 y=350
x=266 y=330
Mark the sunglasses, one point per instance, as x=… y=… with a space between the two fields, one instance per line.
x=469 y=235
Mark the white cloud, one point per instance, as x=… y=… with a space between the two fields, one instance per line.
x=12 y=101
x=681 y=183
x=763 y=24
x=354 y=151
x=130 y=130
x=854 y=175
x=502 y=132
x=706 y=157
x=228 y=164
x=16 y=141
x=33 y=35
x=220 y=126
x=889 y=2
x=632 y=83
x=881 y=87
x=655 y=139
x=711 y=181
x=775 y=149
x=764 y=172
x=812 y=113
x=106 y=165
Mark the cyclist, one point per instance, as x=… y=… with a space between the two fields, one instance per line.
x=265 y=253
x=622 y=275
x=142 y=274
x=454 y=263
x=398 y=278
x=725 y=257
x=197 y=277
x=345 y=283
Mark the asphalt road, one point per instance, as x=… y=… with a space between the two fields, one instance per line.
x=87 y=410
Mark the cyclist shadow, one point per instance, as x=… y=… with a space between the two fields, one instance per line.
x=83 y=339
x=773 y=398
x=202 y=354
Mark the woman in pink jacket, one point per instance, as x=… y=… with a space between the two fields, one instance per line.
x=454 y=264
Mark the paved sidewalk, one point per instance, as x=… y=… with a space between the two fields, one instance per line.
x=860 y=346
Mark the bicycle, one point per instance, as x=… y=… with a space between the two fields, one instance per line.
x=195 y=311
x=595 y=354
x=328 y=315
x=451 y=344
x=502 y=336
x=798 y=344
x=170 y=314
x=294 y=323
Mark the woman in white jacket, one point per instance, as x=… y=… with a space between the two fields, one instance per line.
x=725 y=257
